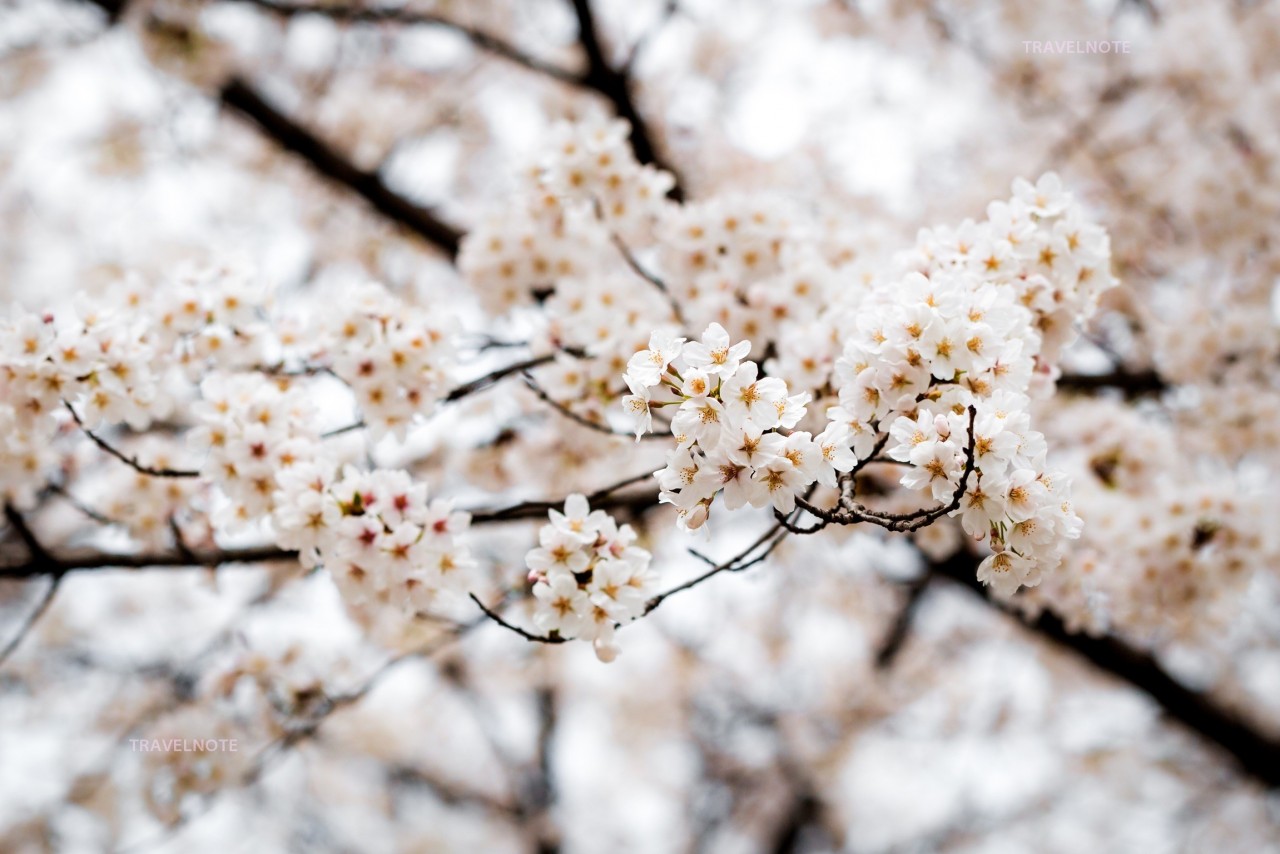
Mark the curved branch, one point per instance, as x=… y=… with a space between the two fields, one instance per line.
x=583 y=420
x=511 y=627
x=901 y=523
x=738 y=563
x=132 y=462
x=394 y=15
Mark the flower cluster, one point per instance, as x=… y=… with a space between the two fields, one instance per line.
x=396 y=358
x=211 y=317
x=980 y=321
x=252 y=431
x=586 y=191
x=729 y=427
x=376 y=532
x=1165 y=554
x=1040 y=246
x=588 y=576
x=592 y=162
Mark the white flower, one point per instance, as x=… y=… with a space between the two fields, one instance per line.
x=780 y=481
x=637 y=404
x=714 y=354
x=834 y=443
x=562 y=606
x=648 y=366
x=746 y=397
x=578 y=519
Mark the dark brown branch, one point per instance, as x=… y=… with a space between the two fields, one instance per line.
x=1256 y=754
x=132 y=462
x=511 y=627
x=597 y=500
x=615 y=86
x=38 y=554
x=53 y=565
x=492 y=377
x=582 y=419
x=901 y=626
x=901 y=523
x=24 y=628
x=293 y=137
x=44 y=563
x=393 y=15
x=740 y=562
x=1130 y=384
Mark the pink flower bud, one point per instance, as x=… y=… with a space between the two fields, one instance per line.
x=942 y=426
x=696 y=518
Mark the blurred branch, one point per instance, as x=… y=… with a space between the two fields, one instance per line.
x=1257 y=754
x=291 y=136
x=900 y=629
x=1131 y=384
x=393 y=15
x=616 y=86
x=542 y=792
x=37 y=553
x=600 y=76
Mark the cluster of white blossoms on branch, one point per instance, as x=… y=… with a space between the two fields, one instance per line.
x=732 y=427
x=974 y=317
x=396 y=358
x=588 y=576
x=377 y=534
x=251 y=432
x=932 y=348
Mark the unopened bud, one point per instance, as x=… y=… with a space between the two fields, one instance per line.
x=696 y=518
x=606 y=651
x=942 y=426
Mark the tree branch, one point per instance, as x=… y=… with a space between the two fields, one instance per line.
x=241 y=97
x=616 y=87
x=1131 y=384
x=582 y=419
x=1257 y=754
x=394 y=15
x=132 y=462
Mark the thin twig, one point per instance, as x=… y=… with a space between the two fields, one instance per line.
x=526 y=509
x=132 y=462
x=583 y=420
x=648 y=276
x=901 y=522
x=511 y=627
x=773 y=536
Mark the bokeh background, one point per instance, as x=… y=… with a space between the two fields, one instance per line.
x=839 y=698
